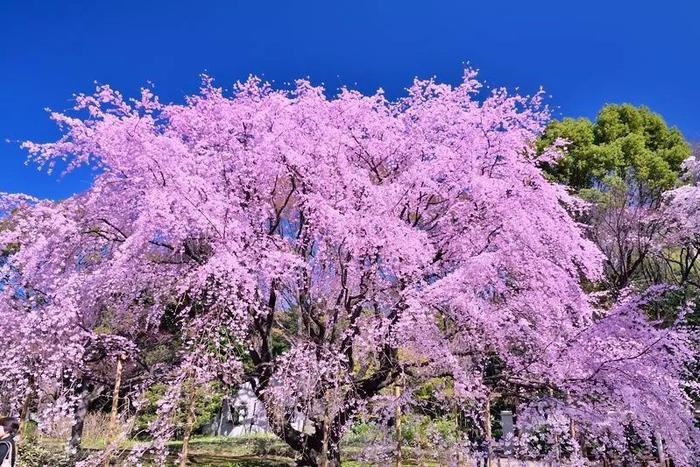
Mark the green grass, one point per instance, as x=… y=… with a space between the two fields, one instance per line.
x=255 y=450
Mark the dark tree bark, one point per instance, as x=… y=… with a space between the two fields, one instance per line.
x=86 y=396
x=322 y=447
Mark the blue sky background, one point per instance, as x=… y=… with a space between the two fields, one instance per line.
x=585 y=54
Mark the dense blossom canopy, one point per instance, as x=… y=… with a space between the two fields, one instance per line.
x=684 y=203
x=324 y=249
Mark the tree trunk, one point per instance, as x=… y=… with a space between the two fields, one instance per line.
x=26 y=406
x=320 y=457
x=24 y=414
x=460 y=452
x=86 y=396
x=319 y=449
x=660 y=449
x=81 y=409
x=324 y=449
x=311 y=459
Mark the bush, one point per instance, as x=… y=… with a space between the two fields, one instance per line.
x=37 y=455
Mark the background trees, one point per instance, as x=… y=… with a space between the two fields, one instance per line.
x=640 y=179
x=630 y=143
x=324 y=249
x=622 y=163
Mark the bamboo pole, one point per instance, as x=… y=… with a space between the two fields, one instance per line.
x=487 y=430
x=189 y=425
x=397 y=394
x=112 y=433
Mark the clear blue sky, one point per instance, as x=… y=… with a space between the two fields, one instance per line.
x=585 y=54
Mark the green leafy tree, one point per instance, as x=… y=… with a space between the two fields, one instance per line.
x=622 y=163
x=629 y=143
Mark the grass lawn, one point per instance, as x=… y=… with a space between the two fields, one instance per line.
x=256 y=450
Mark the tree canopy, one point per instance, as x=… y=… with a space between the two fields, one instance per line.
x=323 y=249
x=631 y=143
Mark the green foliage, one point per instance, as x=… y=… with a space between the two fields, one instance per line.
x=427 y=432
x=631 y=143
x=37 y=455
x=361 y=431
x=208 y=403
x=162 y=353
x=148 y=413
x=252 y=444
x=428 y=401
x=416 y=431
x=208 y=400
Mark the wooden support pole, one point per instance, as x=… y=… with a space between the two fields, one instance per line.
x=397 y=394
x=487 y=430
x=112 y=433
x=189 y=424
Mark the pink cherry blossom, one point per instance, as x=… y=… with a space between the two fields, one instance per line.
x=324 y=249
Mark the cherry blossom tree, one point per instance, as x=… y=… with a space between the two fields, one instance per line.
x=682 y=214
x=59 y=357
x=324 y=249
